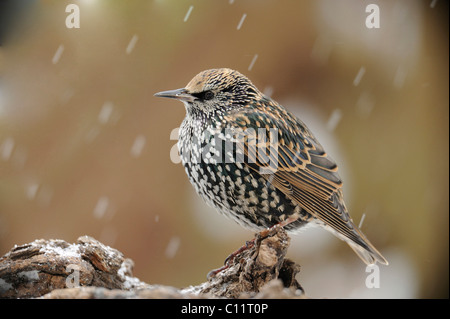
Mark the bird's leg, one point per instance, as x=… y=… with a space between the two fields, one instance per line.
x=249 y=244
x=273 y=229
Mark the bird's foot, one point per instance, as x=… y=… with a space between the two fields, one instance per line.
x=230 y=258
x=249 y=244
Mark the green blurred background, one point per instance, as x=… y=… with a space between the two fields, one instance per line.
x=85 y=147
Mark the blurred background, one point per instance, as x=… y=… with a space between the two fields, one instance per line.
x=85 y=147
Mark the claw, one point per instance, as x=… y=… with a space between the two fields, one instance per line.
x=214 y=272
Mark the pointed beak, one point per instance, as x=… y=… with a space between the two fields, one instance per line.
x=180 y=94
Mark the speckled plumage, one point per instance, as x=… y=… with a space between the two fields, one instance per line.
x=257 y=163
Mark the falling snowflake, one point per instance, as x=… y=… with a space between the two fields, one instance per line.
x=138 y=145
x=359 y=76
x=188 y=13
x=250 y=67
x=242 y=21
x=58 y=54
x=172 y=247
x=131 y=44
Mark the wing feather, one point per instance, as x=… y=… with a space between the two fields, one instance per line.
x=304 y=172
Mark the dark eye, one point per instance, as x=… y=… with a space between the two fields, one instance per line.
x=205 y=95
x=208 y=95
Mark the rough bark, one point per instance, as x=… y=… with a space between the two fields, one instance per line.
x=89 y=269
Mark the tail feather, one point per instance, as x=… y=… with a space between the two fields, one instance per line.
x=355 y=238
x=361 y=246
x=368 y=254
x=364 y=248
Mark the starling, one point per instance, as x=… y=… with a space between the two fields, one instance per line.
x=257 y=163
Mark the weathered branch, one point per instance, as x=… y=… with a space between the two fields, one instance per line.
x=90 y=269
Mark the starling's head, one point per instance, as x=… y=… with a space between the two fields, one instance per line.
x=215 y=90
